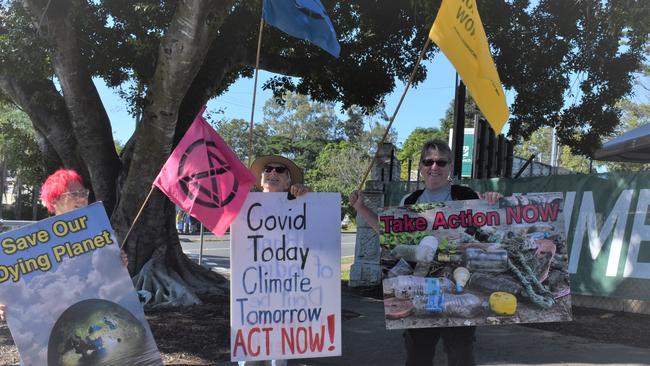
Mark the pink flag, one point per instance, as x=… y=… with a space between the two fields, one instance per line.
x=205 y=178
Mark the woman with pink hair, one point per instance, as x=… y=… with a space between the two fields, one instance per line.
x=63 y=191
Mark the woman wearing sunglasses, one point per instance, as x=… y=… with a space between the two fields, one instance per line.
x=278 y=174
x=275 y=173
x=435 y=169
x=63 y=191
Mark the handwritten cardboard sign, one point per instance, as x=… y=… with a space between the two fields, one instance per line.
x=286 y=277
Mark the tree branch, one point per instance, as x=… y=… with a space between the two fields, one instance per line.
x=281 y=65
x=220 y=66
x=91 y=126
x=232 y=50
x=47 y=111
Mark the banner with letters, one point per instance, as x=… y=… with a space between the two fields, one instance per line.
x=608 y=229
x=285 y=288
x=69 y=300
x=468 y=263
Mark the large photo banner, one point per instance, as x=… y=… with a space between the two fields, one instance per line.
x=69 y=299
x=468 y=263
x=285 y=287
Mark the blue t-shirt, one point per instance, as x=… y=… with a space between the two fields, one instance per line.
x=441 y=194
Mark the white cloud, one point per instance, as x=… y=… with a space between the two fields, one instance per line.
x=33 y=306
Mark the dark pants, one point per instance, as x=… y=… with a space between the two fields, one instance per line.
x=458 y=344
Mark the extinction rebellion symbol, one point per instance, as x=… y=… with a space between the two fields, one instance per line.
x=203 y=186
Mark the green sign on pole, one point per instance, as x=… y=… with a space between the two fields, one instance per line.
x=468 y=151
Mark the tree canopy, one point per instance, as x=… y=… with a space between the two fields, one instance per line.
x=21 y=161
x=333 y=151
x=19 y=151
x=471 y=110
x=412 y=146
x=539 y=144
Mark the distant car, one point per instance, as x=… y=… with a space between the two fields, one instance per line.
x=345 y=222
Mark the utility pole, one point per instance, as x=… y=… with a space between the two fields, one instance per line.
x=459 y=128
x=553 y=160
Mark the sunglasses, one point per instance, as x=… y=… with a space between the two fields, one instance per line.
x=83 y=193
x=278 y=169
x=430 y=162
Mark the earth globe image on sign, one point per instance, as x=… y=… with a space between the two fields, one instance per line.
x=98 y=332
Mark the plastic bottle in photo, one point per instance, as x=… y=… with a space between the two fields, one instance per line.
x=401 y=268
x=461 y=276
x=451 y=305
x=425 y=251
x=479 y=260
x=407 y=287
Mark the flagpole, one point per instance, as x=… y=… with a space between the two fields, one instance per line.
x=257 y=67
x=399 y=104
x=137 y=217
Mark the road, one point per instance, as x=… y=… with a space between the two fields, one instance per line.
x=216 y=251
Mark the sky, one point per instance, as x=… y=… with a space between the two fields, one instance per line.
x=423 y=106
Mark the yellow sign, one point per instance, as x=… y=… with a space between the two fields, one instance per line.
x=459 y=33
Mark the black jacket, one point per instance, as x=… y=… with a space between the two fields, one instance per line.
x=458 y=193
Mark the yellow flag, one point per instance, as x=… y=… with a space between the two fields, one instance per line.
x=459 y=33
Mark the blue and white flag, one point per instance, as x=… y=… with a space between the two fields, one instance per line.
x=305 y=19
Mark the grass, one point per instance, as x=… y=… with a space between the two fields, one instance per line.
x=346 y=263
x=350 y=228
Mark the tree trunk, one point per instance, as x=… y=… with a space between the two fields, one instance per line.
x=3 y=181
x=35 y=194
x=162 y=268
x=18 y=197
x=166 y=274
x=227 y=53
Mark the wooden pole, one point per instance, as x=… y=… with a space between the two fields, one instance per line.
x=257 y=67
x=137 y=217
x=399 y=104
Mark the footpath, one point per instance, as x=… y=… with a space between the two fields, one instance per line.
x=367 y=342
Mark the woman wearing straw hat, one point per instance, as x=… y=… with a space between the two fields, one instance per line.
x=275 y=173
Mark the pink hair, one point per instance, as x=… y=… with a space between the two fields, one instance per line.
x=56 y=184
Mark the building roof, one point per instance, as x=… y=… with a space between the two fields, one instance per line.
x=632 y=146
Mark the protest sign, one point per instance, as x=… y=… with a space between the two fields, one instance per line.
x=468 y=263
x=69 y=299
x=285 y=288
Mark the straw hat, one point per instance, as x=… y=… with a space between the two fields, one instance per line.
x=258 y=166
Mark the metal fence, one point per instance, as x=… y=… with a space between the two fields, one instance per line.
x=6 y=225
